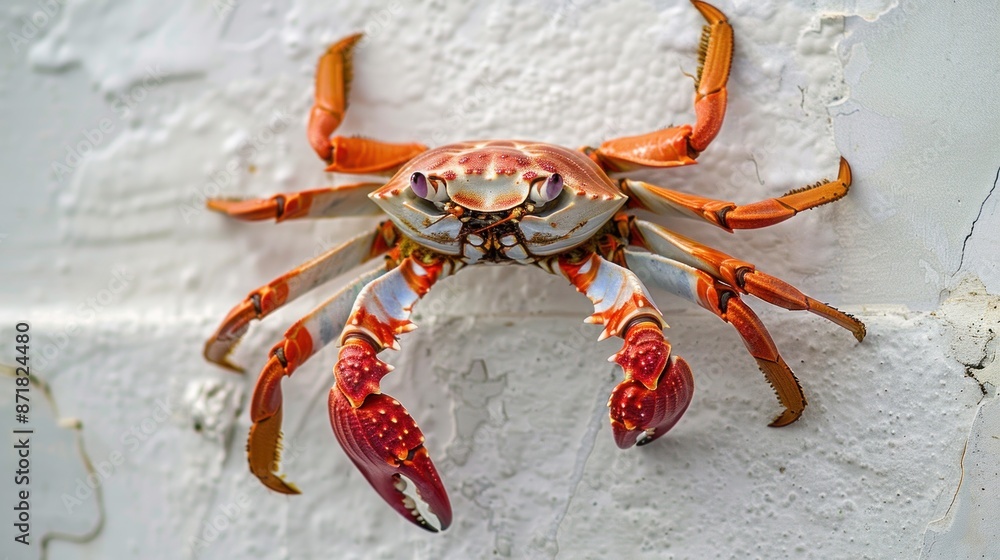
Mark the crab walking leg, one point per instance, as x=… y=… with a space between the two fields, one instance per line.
x=287 y=287
x=347 y=155
x=741 y=275
x=376 y=432
x=699 y=287
x=333 y=83
x=730 y=216
x=681 y=145
x=367 y=156
x=331 y=202
x=303 y=339
x=658 y=387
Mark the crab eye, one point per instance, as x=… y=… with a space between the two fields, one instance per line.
x=430 y=188
x=418 y=184
x=544 y=191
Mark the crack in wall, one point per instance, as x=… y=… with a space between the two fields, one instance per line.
x=972 y=229
x=968 y=316
x=76 y=426
x=967 y=527
x=958 y=488
x=472 y=400
x=586 y=449
x=971 y=369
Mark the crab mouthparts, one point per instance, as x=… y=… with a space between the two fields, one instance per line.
x=515 y=214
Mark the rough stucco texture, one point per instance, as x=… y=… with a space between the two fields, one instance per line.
x=121 y=117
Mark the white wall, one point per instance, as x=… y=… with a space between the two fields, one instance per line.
x=122 y=274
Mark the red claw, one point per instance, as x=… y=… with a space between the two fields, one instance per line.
x=385 y=443
x=637 y=410
x=656 y=391
x=381 y=438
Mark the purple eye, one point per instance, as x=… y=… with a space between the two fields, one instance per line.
x=418 y=184
x=553 y=186
x=548 y=190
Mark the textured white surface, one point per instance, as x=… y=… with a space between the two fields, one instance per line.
x=122 y=274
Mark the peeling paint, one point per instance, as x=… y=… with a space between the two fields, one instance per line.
x=970 y=526
x=967 y=529
x=972 y=317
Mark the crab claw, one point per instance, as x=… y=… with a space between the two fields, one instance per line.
x=383 y=440
x=385 y=444
x=656 y=391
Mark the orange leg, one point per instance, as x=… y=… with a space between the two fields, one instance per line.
x=303 y=339
x=680 y=145
x=740 y=275
x=331 y=202
x=728 y=215
x=701 y=288
x=348 y=155
x=287 y=287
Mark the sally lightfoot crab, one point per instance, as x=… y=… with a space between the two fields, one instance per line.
x=509 y=202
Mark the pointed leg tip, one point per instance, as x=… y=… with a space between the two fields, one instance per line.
x=858 y=329
x=845 y=172
x=347 y=42
x=849 y=322
x=264 y=454
x=250 y=210
x=218 y=205
x=275 y=482
x=224 y=362
x=709 y=12
x=785 y=418
x=235 y=368
x=860 y=332
x=229 y=206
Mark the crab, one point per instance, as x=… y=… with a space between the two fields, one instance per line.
x=509 y=202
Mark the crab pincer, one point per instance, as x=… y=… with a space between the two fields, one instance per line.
x=382 y=439
x=657 y=389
